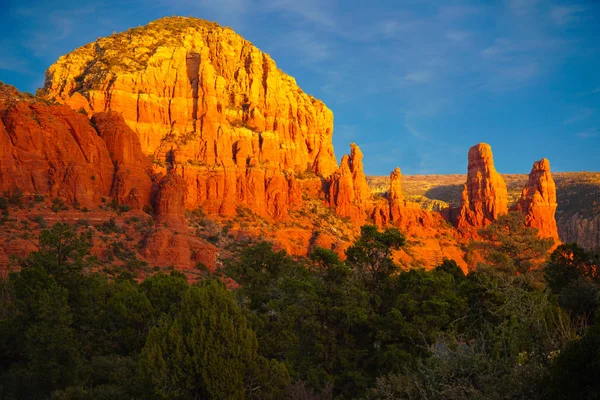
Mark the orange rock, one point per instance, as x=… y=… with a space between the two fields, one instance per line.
x=132 y=184
x=165 y=247
x=396 y=198
x=53 y=151
x=209 y=105
x=348 y=190
x=538 y=200
x=484 y=196
x=169 y=206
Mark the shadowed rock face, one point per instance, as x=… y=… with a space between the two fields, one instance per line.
x=484 y=195
x=538 y=200
x=51 y=150
x=209 y=105
x=131 y=184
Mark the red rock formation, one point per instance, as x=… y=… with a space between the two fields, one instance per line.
x=348 y=190
x=165 y=247
x=169 y=205
x=396 y=198
x=132 y=184
x=209 y=104
x=484 y=196
x=538 y=200
x=51 y=150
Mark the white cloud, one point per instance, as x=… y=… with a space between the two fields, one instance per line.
x=414 y=132
x=417 y=77
x=580 y=115
x=587 y=134
x=311 y=10
x=522 y=7
x=562 y=15
x=457 y=36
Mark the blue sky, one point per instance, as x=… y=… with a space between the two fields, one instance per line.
x=413 y=83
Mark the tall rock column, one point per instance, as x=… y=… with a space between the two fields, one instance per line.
x=538 y=200
x=396 y=198
x=484 y=196
x=348 y=190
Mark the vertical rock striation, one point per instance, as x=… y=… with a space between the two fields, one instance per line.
x=131 y=184
x=348 y=190
x=538 y=200
x=207 y=104
x=484 y=196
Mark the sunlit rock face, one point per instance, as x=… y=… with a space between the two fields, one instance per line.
x=538 y=200
x=207 y=104
x=484 y=196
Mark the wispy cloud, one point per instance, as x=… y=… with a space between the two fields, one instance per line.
x=347 y=132
x=587 y=134
x=417 y=77
x=580 y=115
x=562 y=15
x=458 y=36
x=522 y=7
x=310 y=10
x=307 y=44
x=414 y=132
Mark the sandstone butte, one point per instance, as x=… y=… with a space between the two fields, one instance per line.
x=484 y=196
x=538 y=200
x=207 y=103
x=188 y=115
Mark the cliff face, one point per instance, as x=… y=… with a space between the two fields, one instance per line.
x=484 y=195
x=207 y=103
x=51 y=150
x=538 y=200
x=132 y=184
x=348 y=190
x=581 y=229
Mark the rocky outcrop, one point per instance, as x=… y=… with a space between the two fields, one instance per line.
x=538 y=200
x=484 y=195
x=53 y=151
x=348 y=190
x=169 y=205
x=131 y=184
x=581 y=229
x=207 y=104
x=164 y=247
x=396 y=198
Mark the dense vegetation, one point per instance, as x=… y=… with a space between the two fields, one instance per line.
x=306 y=329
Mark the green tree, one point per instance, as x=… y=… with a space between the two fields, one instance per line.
x=46 y=355
x=571 y=273
x=510 y=245
x=576 y=371
x=370 y=256
x=207 y=350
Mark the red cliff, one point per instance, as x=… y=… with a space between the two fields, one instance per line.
x=207 y=104
x=538 y=200
x=484 y=196
x=131 y=184
x=51 y=150
x=348 y=190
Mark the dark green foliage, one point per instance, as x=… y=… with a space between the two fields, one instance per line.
x=316 y=328
x=576 y=372
x=572 y=274
x=206 y=350
x=510 y=245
